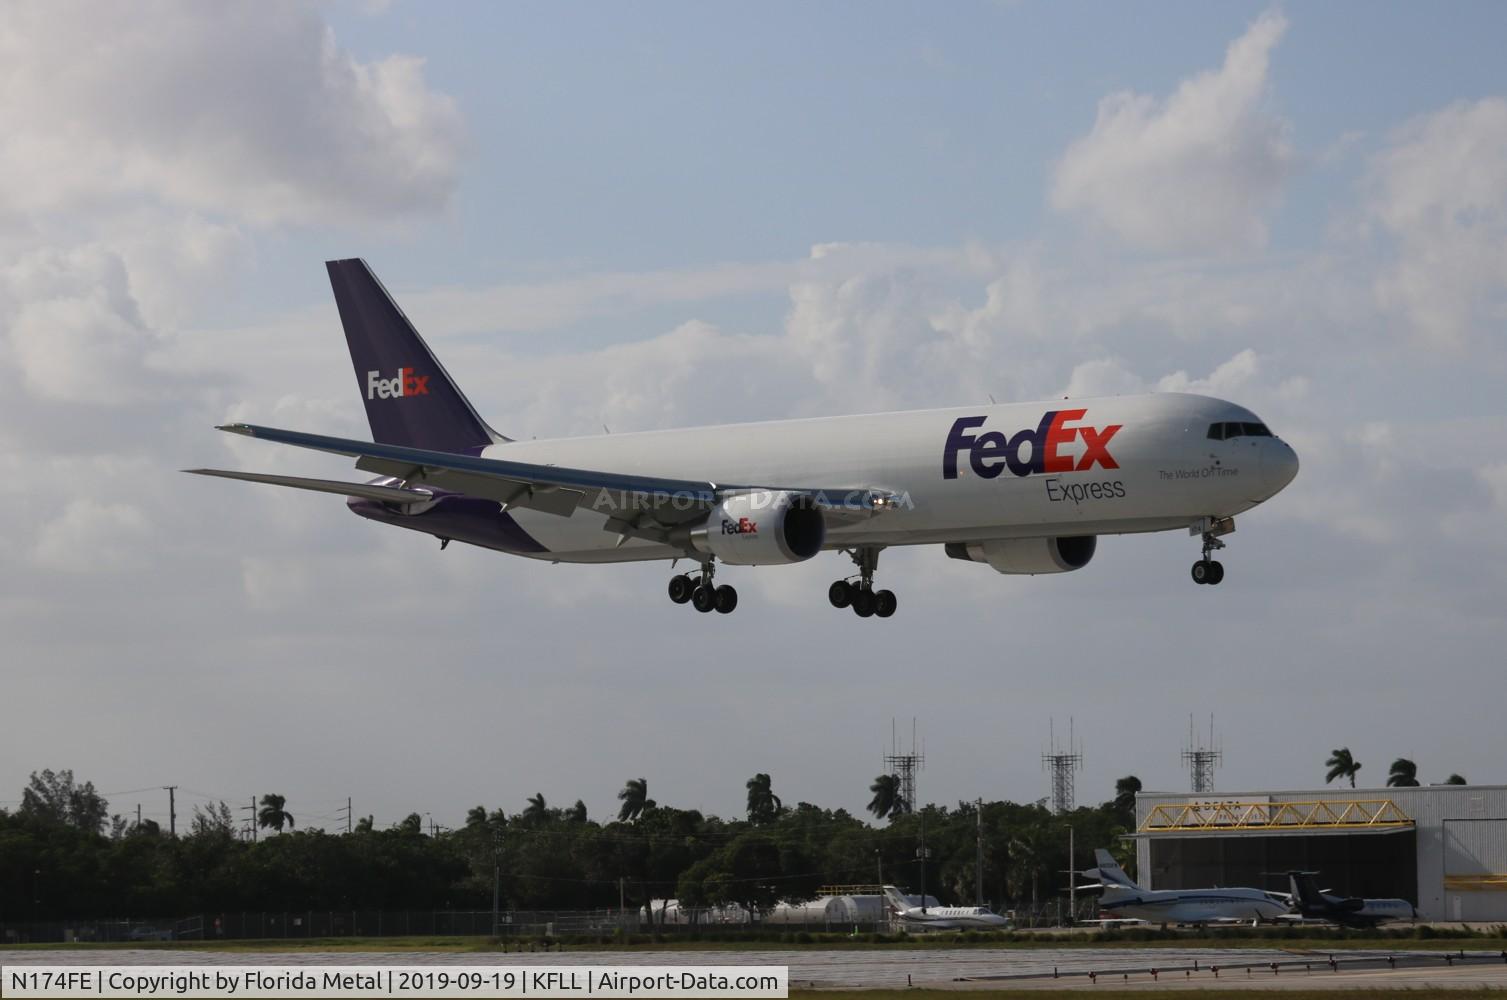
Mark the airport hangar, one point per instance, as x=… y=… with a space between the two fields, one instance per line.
x=1442 y=847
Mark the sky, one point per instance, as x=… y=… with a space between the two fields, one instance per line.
x=667 y=215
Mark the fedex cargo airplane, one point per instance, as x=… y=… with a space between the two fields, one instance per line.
x=1021 y=487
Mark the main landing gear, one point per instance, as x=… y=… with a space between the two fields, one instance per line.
x=1208 y=570
x=865 y=601
x=701 y=594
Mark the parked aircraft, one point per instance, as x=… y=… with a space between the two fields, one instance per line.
x=1023 y=488
x=941 y=918
x=1312 y=903
x=1123 y=898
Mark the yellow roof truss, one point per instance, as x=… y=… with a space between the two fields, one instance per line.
x=1315 y=814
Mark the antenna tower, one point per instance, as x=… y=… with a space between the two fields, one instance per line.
x=905 y=765
x=1202 y=758
x=1062 y=762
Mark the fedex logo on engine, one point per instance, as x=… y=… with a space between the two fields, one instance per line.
x=405 y=383
x=992 y=452
x=742 y=526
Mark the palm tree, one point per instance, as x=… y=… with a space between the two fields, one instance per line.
x=1341 y=765
x=635 y=799
x=1125 y=793
x=1455 y=779
x=365 y=824
x=763 y=804
x=1404 y=774
x=476 y=817
x=887 y=800
x=577 y=812
x=537 y=811
x=273 y=815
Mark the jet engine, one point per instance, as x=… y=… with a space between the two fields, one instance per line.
x=762 y=528
x=1028 y=555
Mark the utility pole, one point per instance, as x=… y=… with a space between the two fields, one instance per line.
x=347 y=814
x=978 y=854
x=172 y=809
x=1072 y=872
x=251 y=819
x=922 y=853
x=138 y=816
x=496 y=885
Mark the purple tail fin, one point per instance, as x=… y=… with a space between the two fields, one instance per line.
x=410 y=399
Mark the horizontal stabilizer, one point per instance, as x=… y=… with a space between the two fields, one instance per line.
x=381 y=494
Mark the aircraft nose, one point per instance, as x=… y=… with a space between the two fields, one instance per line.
x=1279 y=465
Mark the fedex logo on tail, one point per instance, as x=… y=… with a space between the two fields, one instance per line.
x=405 y=383
x=992 y=452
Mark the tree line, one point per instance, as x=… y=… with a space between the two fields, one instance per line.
x=64 y=855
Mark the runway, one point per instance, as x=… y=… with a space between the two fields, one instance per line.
x=956 y=968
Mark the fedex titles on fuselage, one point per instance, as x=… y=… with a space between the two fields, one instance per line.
x=1035 y=451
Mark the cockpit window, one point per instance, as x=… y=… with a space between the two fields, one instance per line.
x=1234 y=428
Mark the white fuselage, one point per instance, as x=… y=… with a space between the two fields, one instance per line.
x=1124 y=464
x=1193 y=906
x=948 y=918
x=940 y=918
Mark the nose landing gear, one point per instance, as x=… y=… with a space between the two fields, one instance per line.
x=1206 y=570
x=701 y=594
x=865 y=601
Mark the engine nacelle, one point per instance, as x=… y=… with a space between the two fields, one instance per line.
x=1029 y=555
x=763 y=528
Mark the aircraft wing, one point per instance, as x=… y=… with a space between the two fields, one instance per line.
x=627 y=499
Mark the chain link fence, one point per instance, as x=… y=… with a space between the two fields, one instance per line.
x=311 y=924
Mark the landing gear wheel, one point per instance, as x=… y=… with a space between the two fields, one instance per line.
x=726 y=599
x=861 y=596
x=1208 y=570
x=680 y=588
x=704 y=599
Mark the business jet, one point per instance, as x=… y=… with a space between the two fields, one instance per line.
x=1124 y=899
x=941 y=918
x=1313 y=903
x=1023 y=488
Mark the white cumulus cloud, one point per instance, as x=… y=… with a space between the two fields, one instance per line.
x=250 y=111
x=1196 y=171
x=1440 y=190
